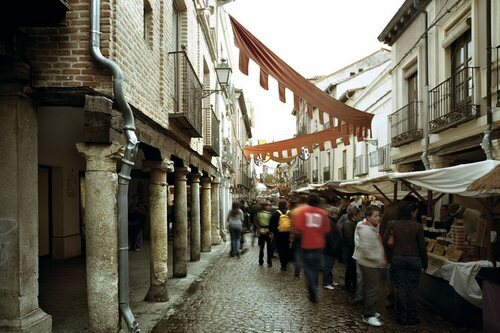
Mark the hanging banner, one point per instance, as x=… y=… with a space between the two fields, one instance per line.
x=292 y=148
x=357 y=122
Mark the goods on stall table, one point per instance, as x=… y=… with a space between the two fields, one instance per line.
x=453 y=253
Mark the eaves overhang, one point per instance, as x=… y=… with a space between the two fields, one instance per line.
x=404 y=17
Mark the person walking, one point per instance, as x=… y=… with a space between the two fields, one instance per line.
x=370 y=257
x=265 y=235
x=296 y=205
x=235 y=226
x=332 y=248
x=312 y=224
x=348 y=228
x=280 y=226
x=409 y=259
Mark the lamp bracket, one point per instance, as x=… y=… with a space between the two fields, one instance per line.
x=373 y=142
x=207 y=93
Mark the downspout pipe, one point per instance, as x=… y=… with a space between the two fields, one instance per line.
x=486 y=143
x=126 y=167
x=425 y=151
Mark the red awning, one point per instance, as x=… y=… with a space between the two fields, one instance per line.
x=356 y=121
x=293 y=147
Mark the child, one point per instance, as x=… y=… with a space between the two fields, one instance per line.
x=369 y=254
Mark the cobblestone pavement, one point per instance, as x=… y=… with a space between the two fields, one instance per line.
x=236 y=295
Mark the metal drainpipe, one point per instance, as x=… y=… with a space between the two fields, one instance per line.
x=127 y=163
x=425 y=152
x=486 y=143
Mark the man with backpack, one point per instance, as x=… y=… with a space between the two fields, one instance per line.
x=280 y=226
x=265 y=235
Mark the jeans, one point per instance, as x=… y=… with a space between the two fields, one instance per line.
x=297 y=253
x=407 y=270
x=328 y=262
x=312 y=265
x=358 y=294
x=235 y=241
x=265 y=241
x=371 y=288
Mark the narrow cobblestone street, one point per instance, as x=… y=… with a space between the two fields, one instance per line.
x=236 y=295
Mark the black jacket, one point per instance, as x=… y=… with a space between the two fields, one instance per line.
x=332 y=244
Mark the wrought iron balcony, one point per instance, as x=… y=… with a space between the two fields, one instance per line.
x=342 y=173
x=227 y=155
x=187 y=112
x=452 y=102
x=245 y=181
x=384 y=158
x=405 y=125
x=315 y=176
x=326 y=173
x=360 y=165
x=211 y=137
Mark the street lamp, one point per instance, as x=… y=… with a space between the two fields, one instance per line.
x=223 y=73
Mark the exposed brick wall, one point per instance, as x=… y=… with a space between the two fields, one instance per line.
x=61 y=56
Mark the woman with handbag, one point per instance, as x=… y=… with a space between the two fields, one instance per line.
x=405 y=237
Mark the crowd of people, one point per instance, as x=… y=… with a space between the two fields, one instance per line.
x=382 y=249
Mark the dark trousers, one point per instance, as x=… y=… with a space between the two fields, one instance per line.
x=235 y=241
x=312 y=266
x=407 y=270
x=297 y=254
x=265 y=241
x=350 y=272
x=328 y=262
x=371 y=289
x=283 y=243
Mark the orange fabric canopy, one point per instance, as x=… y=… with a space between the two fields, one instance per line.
x=293 y=147
x=357 y=122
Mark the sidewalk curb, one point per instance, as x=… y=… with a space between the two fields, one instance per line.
x=180 y=289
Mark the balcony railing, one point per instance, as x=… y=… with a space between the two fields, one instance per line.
x=342 y=172
x=452 y=102
x=211 y=137
x=245 y=181
x=326 y=173
x=373 y=157
x=360 y=165
x=315 y=176
x=227 y=155
x=188 y=111
x=384 y=158
x=405 y=125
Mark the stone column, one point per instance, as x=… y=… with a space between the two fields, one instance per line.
x=159 y=229
x=19 y=311
x=195 y=245
x=101 y=221
x=206 y=215
x=215 y=208
x=223 y=205
x=180 y=223
x=437 y=162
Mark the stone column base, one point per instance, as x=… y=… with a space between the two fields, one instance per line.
x=157 y=293
x=216 y=240
x=34 y=322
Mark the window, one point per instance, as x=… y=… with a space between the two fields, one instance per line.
x=175 y=47
x=412 y=88
x=148 y=24
x=461 y=59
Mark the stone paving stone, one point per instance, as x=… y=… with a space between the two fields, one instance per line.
x=236 y=295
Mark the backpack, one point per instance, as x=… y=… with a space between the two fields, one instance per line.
x=263 y=218
x=284 y=224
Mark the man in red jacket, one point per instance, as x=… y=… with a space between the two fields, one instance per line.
x=312 y=223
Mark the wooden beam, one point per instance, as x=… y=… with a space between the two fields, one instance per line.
x=437 y=198
x=383 y=194
x=412 y=190
x=395 y=194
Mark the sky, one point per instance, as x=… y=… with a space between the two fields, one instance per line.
x=314 y=37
